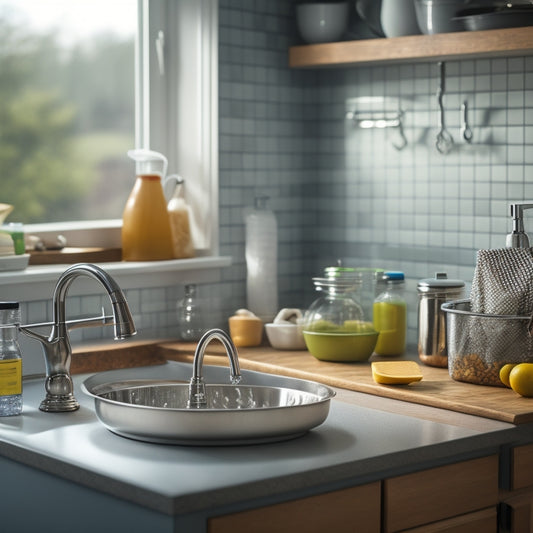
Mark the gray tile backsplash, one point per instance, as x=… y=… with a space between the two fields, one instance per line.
x=342 y=192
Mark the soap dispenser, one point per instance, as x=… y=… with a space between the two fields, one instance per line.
x=518 y=238
x=146 y=232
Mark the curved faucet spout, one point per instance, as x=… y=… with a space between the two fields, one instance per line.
x=123 y=321
x=197 y=386
x=57 y=349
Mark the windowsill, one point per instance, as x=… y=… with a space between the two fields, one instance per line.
x=37 y=282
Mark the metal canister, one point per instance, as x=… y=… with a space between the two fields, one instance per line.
x=433 y=292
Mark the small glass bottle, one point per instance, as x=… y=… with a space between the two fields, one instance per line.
x=390 y=316
x=10 y=360
x=190 y=315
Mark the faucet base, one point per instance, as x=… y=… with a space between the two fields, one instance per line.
x=59 y=404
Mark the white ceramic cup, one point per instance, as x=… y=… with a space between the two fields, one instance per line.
x=398 y=17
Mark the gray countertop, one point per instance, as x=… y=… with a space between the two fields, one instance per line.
x=356 y=444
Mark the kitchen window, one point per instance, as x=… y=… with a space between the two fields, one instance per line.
x=82 y=82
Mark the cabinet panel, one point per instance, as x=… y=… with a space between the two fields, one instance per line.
x=485 y=521
x=517 y=513
x=440 y=493
x=354 y=509
x=522 y=467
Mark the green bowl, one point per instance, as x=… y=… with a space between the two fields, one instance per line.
x=341 y=347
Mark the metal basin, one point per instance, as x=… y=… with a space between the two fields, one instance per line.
x=156 y=410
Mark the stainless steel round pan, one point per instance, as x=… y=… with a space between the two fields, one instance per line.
x=513 y=16
x=157 y=411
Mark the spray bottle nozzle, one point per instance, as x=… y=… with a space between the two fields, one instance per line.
x=149 y=162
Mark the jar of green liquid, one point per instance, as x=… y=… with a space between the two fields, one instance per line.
x=334 y=327
x=390 y=316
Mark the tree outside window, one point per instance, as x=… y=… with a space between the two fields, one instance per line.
x=67 y=109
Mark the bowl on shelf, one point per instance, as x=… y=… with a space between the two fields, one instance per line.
x=438 y=16
x=322 y=22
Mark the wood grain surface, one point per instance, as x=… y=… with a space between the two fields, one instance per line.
x=412 y=48
x=131 y=354
x=70 y=256
x=436 y=389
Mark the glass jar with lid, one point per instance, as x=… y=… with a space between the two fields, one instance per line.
x=390 y=316
x=334 y=326
x=350 y=278
x=370 y=283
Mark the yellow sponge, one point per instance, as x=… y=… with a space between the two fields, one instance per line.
x=396 y=372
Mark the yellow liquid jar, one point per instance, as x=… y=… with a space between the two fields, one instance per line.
x=146 y=232
x=390 y=320
x=390 y=317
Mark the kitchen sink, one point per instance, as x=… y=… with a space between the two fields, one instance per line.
x=153 y=404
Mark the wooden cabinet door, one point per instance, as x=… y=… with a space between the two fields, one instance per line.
x=348 y=510
x=517 y=514
x=522 y=467
x=516 y=510
x=439 y=493
x=485 y=521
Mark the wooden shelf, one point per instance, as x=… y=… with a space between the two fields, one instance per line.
x=415 y=48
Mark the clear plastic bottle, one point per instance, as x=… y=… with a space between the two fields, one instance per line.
x=10 y=360
x=262 y=260
x=190 y=315
x=390 y=316
x=179 y=215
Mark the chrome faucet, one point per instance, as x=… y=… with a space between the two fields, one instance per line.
x=57 y=349
x=518 y=238
x=197 y=396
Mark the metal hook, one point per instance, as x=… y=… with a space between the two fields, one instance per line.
x=466 y=132
x=444 y=142
x=403 y=139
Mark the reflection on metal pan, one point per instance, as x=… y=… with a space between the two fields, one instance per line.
x=158 y=411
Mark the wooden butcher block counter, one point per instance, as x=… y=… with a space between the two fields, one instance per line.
x=436 y=389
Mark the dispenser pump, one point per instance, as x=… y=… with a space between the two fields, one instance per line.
x=149 y=162
x=518 y=238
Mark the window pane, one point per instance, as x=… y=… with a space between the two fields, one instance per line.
x=67 y=107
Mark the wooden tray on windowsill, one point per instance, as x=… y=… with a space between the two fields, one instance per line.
x=71 y=255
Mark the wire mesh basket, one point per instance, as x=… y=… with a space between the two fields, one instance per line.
x=480 y=344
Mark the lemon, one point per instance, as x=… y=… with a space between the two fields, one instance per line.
x=521 y=379
x=505 y=370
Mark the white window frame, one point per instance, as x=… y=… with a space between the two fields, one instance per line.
x=163 y=123
x=183 y=102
